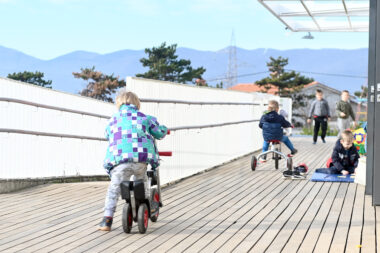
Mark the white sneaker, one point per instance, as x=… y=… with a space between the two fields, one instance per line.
x=262 y=160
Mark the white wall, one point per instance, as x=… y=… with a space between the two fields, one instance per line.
x=24 y=156
x=200 y=149
x=194 y=150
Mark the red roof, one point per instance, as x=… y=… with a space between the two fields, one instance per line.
x=251 y=87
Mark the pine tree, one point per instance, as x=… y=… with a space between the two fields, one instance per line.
x=100 y=86
x=286 y=82
x=35 y=78
x=163 y=64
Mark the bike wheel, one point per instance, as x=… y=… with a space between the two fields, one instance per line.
x=127 y=218
x=253 y=163
x=142 y=218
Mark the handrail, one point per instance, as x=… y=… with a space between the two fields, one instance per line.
x=24 y=102
x=171 y=101
x=19 y=131
x=212 y=125
x=19 y=101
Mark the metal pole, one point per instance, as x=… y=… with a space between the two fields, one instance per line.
x=376 y=123
x=371 y=95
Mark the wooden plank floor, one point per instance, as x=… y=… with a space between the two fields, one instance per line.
x=228 y=209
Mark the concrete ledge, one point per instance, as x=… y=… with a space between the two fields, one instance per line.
x=11 y=185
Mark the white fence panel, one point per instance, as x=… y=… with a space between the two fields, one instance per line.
x=194 y=150
x=31 y=156
x=198 y=149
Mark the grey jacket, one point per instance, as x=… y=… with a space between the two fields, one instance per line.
x=319 y=108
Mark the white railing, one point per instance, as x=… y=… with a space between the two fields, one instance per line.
x=45 y=133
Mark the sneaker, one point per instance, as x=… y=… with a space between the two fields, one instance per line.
x=263 y=159
x=106 y=224
x=314 y=142
x=323 y=141
x=297 y=175
x=287 y=174
x=294 y=151
x=302 y=169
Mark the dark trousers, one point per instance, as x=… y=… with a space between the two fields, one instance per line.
x=318 y=121
x=330 y=170
x=333 y=170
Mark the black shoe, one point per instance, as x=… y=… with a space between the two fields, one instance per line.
x=287 y=174
x=323 y=141
x=106 y=224
x=297 y=175
x=294 y=151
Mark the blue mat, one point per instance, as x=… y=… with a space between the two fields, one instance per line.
x=322 y=177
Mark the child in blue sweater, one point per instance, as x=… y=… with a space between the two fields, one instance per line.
x=272 y=124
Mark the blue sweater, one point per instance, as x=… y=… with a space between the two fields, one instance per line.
x=272 y=124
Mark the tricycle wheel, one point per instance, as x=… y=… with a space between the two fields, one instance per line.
x=143 y=218
x=253 y=163
x=127 y=218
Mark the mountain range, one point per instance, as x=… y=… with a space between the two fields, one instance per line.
x=337 y=68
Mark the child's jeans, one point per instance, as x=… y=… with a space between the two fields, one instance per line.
x=333 y=170
x=285 y=139
x=120 y=173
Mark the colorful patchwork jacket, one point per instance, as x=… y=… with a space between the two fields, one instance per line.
x=131 y=138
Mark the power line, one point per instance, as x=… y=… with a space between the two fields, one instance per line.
x=326 y=74
x=243 y=75
x=306 y=72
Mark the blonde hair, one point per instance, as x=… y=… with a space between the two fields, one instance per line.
x=127 y=97
x=347 y=135
x=273 y=105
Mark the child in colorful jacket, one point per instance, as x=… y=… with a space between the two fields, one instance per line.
x=131 y=148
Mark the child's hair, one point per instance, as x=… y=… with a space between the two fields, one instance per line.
x=273 y=105
x=127 y=97
x=345 y=91
x=347 y=135
x=318 y=91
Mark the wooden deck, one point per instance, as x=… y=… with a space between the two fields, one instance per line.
x=229 y=209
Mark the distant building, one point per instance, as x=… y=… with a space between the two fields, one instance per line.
x=299 y=115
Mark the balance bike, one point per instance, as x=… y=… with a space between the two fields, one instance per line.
x=138 y=207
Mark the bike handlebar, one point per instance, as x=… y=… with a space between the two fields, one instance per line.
x=165 y=153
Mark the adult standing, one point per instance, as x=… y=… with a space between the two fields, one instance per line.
x=320 y=112
x=344 y=112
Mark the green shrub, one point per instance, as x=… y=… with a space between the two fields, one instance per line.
x=310 y=131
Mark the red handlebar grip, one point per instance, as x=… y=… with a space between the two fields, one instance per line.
x=168 y=131
x=165 y=153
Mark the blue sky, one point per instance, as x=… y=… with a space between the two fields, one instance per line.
x=50 y=28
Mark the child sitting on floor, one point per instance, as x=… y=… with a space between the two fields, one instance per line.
x=272 y=124
x=345 y=157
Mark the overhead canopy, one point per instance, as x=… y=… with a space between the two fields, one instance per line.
x=321 y=15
